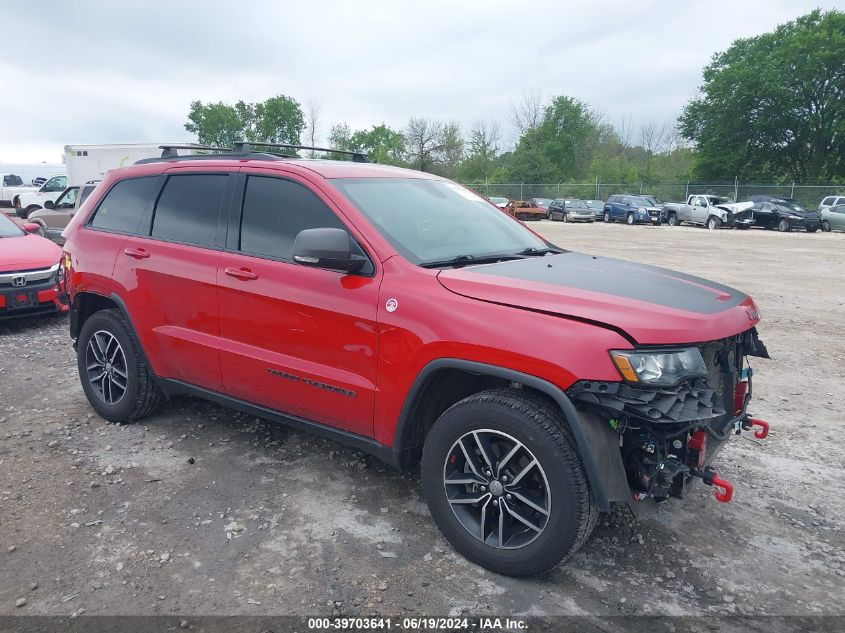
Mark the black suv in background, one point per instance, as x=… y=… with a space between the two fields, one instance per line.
x=783 y=214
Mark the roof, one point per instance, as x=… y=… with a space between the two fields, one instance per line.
x=321 y=167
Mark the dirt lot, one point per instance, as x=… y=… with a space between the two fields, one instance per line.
x=200 y=510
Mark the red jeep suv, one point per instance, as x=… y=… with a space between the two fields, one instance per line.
x=409 y=317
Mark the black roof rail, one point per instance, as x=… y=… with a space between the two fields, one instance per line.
x=244 y=147
x=169 y=151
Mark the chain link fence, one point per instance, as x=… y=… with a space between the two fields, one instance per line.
x=808 y=195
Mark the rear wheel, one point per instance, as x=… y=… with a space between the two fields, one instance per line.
x=504 y=482
x=783 y=225
x=825 y=226
x=114 y=374
x=714 y=223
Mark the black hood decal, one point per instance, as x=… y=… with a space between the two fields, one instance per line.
x=618 y=278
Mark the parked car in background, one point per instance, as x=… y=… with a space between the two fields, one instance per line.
x=31 y=279
x=571 y=210
x=526 y=210
x=499 y=202
x=833 y=218
x=11 y=186
x=542 y=203
x=784 y=214
x=598 y=208
x=831 y=201
x=711 y=211
x=53 y=219
x=37 y=182
x=631 y=210
x=26 y=203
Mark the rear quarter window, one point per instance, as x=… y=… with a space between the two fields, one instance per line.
x=122 y=207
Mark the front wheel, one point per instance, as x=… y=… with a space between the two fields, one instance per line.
x=783 y=225
x=566 y=217
x=825 y=226
x=630 y=219
x=112 y=369
x=504 y=482
x=607 y=216
x=673 y=220
x=713 y=223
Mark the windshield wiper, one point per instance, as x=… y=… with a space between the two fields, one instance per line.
x=463 y=260
x=533 y=252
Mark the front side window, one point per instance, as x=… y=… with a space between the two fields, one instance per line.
x=67 y=199
x=189 y=207
x=275 y=211
x=122 y=208
x=56 y=183
x=433 y=220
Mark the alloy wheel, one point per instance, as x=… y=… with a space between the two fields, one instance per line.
x=105 y=364
x=497 y=489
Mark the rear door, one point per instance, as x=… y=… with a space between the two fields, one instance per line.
x=169 y=272
x=294 y=338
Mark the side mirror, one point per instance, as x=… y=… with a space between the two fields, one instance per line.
x=326 y=248
x=49 y=204
x=31 y=227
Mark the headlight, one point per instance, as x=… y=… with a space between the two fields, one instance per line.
x=659 y=368
x=642 y=210
x=795 y=217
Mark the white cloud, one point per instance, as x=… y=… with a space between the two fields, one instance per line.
x=127 y=72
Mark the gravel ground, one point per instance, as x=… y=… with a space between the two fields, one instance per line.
x=201 y=510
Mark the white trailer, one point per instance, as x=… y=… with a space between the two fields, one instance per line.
x=91 y=162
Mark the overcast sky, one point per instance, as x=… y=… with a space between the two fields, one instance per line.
x=121 y=72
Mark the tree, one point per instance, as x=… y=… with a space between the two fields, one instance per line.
x=773 y=106
x=652 y=138
x=382 y=143
x=313 y=126
x=277 y=120
x=424 y=138
x=482 y=156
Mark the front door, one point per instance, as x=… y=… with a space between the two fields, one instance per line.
x=296 y=339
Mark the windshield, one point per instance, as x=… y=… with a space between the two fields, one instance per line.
x=595 y=204
x=641 y=202
x=576 y=204
x=652 y=200
x=9 y=228
x=433 y=220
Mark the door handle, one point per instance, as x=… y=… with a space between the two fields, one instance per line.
x=137 y=253
x=244 y=274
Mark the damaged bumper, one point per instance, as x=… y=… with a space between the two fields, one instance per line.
x=669 y=436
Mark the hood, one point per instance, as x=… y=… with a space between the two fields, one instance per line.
x=27 y=253
x=650 y=305
x=735 y=207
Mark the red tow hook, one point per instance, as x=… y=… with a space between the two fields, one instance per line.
x=711 y=478
x=763 y=432
x=727 y=489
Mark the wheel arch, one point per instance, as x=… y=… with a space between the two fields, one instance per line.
x=426 y=401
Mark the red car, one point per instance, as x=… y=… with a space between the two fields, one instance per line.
x=403 y=314
x=31 y=278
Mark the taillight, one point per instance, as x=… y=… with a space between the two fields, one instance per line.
x=740 y=393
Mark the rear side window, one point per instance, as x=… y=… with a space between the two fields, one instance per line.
x=275 y=211
x=121 y=209
x=188 y=208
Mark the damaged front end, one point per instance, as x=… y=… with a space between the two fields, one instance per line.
x=675 y=410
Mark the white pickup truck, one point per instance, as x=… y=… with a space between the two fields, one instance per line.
x=33 y=200
x=12 y=185
x=710 y=211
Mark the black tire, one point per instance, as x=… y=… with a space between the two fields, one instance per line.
x=783 y=225
x=566 y=217
x=535 y=423
x=825 y=226
x=714 y=223
x=673 y=220
x=141 y=396
x=630 y=219
x=607 y=217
